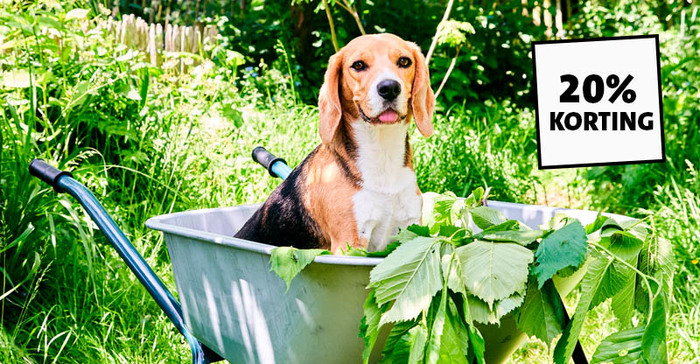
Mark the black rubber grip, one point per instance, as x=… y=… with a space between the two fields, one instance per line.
x=47 y=173
x=266 y=159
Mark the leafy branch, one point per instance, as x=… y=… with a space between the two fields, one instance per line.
x=347 y=5
x=645 y=277
x=434 y=43
x=454 y=34
x=471 y=265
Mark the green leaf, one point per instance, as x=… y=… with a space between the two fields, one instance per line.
x=432 y=351
x=563 y=248
x=231 y=112
x=410 y=276
x=477 y=344
x=401 y=348
x=557 y=222
x=19 y=239
x=351 y=251
x=388 y=250
x=623 y=300
x=397 y=240
x=542 y=314
x=409 y=233
x=621 y=347
x=405 y=235
x=613 y=281
x=143 y=90
x=419 y=230
x=80 y=94
x=627 y=247
x=393 y=341
x=637 y=228
x=454 y=33
x=494 y=271
x=415 y=340
x=369 y=326
x=606 y=225
x=507 y=225
x=568 y=271
x=77 y=14
x=480 y=311
x=597 y=224
x=446 y=209
x=655 y=259
x=287 y=262
x=523 y=238
x=654 y=337
x=485 y=217
x=618 y=278
x=453 y=233
x=49 y=22
x=589 y=284
x=478 y=196
x=454 y=344
x=452 y=273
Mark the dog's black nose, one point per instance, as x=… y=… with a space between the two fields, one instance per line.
x=389 y=89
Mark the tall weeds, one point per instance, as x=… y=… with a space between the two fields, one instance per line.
x=149 y=141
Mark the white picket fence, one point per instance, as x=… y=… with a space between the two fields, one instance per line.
x=160 y=44
x=541 y=14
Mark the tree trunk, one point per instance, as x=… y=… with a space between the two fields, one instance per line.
x=302 y=14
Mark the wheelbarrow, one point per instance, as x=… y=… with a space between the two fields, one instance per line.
x=233 y=307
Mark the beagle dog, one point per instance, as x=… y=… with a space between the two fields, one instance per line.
x=358 y=187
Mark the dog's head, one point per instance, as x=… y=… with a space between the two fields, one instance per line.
x=379 y=79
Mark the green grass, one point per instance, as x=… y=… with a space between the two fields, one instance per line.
x=485 y=145
x=184 y=143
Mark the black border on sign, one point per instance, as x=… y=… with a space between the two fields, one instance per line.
x=537 y=102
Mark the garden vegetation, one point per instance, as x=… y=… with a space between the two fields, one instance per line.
x=150 y=140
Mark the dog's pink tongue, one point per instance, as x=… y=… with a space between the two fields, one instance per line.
x=388 y=116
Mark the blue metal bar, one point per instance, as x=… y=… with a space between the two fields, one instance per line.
x=281 y=169
x=136 y=263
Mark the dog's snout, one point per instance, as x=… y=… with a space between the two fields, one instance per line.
x=389 y=89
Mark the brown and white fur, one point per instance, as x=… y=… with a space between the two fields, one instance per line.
x=358 y=187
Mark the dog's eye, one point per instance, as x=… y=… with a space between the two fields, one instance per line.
x=359 y=65
x=404 y=62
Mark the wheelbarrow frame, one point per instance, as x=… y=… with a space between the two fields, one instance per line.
x=63 y=182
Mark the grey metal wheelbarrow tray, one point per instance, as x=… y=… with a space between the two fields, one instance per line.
x=235 y=305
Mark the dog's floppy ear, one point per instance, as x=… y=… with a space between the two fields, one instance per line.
x=329 y=109
x=422 y=96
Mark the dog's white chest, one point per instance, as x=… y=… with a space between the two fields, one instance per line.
x=380 y=215
x=388 y=199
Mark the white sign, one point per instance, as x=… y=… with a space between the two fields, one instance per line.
x=598 y=102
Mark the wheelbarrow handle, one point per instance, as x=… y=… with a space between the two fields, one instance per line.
x=275 y=165
x=47 y=173
x=63 y=181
